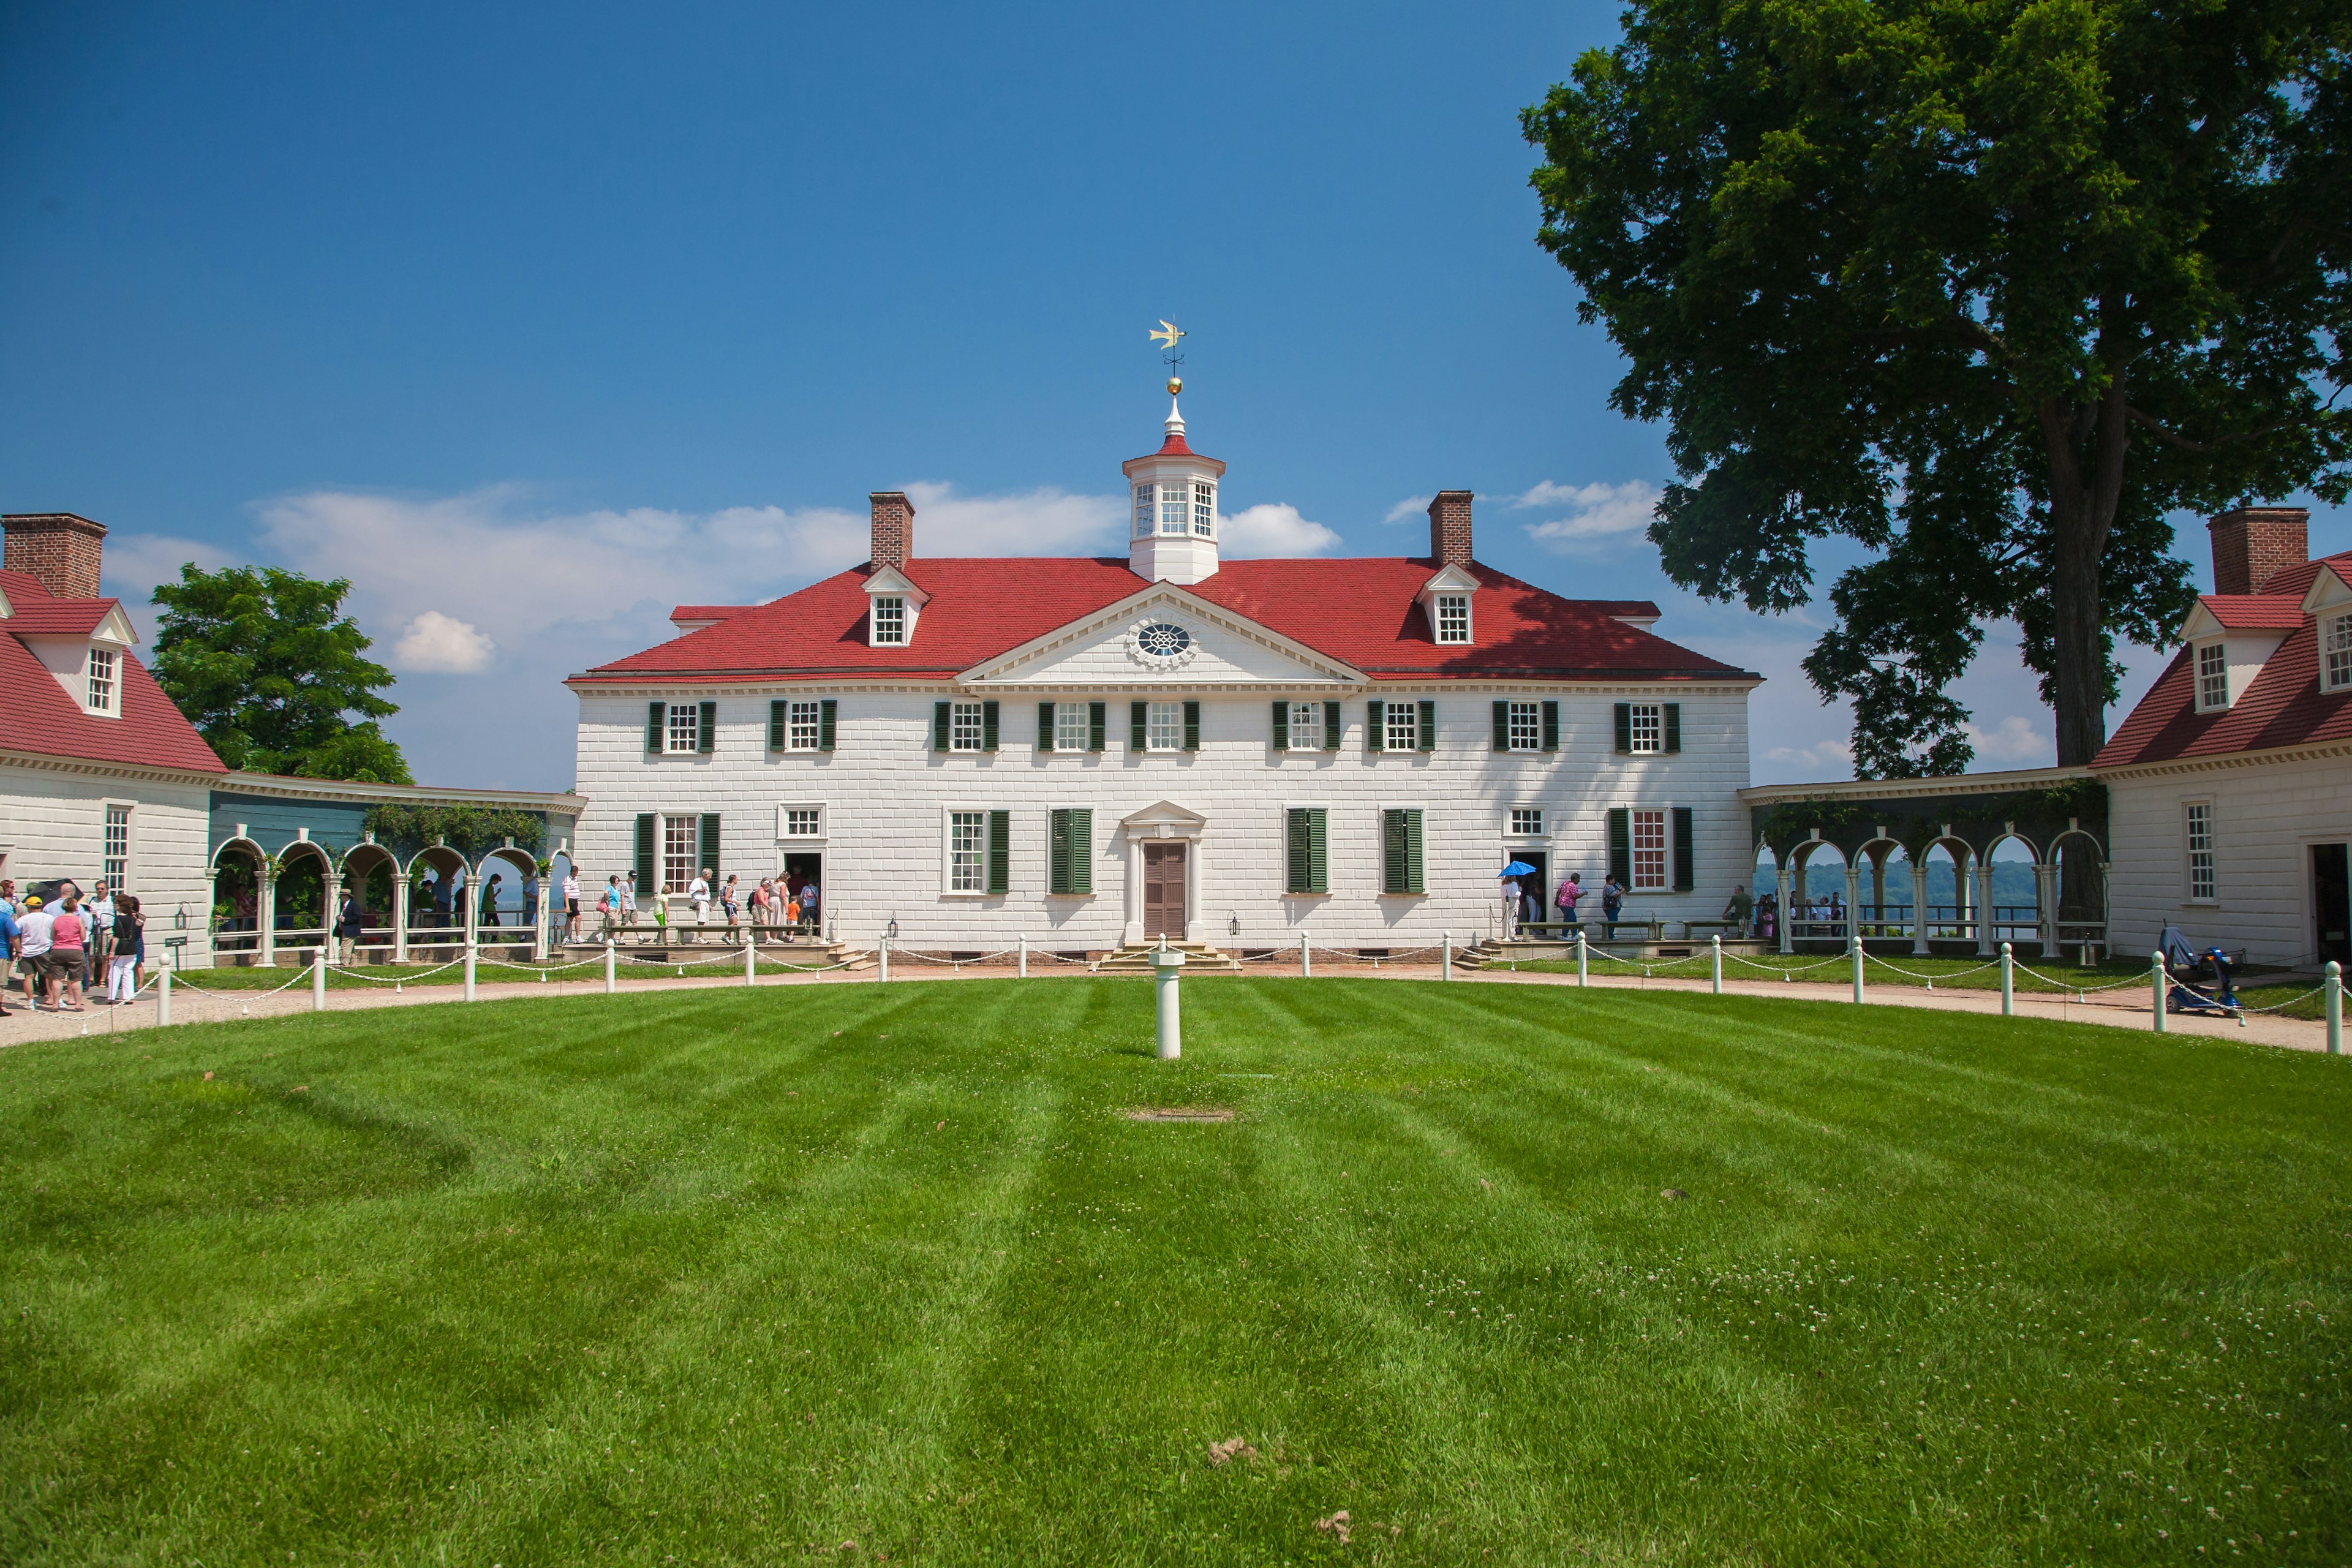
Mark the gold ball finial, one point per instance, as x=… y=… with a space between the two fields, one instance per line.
x=1175 y=384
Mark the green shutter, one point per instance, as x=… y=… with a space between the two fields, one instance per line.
x=825 y=710
x=709 y=729
x=1191 y=726
x=655 y=714
x=1330 y=726
x=1502 y=726
x=1307 y=854
x=1624 y=728
x=1096 y=725
x=1684 y=867
x=1621 y=843
x=1400 y=851
x=1082 y=851
x=1427 y=728
x=647 y=827
x=1551 y=726
x=1045 y=726
x=1138 y=716
x=1674 y=726
x=1057 y=851
x=709 y=846
x=1282 y=726
x=988 y=726
x=1376 y=726
x=779 y=717
x=1000 y=851
x=940 y=720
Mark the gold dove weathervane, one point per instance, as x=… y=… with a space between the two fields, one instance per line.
x=1167 y=335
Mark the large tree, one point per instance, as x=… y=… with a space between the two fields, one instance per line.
x=1989 y=287
x=272 y=673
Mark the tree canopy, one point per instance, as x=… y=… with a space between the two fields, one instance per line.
x=1989 y=287
x=271 y=672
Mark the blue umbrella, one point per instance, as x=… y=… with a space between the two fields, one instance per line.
x=1516 y=868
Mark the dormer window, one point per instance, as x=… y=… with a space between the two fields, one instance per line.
x=890 y=621
x=2212 y=677
x=1143 y=494
x=2335 y=653
x=105 y=680
x=1453 y=618
x=1175 y=503
x=1204 y=510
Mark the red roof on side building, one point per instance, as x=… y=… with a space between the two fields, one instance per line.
x=1361 y=611
x=2255 y=612
x=2282 y=707
x=38 y=716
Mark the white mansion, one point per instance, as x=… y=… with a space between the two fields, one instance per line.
x=1092 y=752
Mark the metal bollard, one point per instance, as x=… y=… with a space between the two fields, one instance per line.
x=612 y=982
x=1580 y=958
x=163 y=995
x=1857 y=969
x=469 y=972
x=1306 y=965
x=2155 y=987
x=882 y=948
x=750 y=962
x=1714 y=957
x=2007 y=982
x=1445 y=956
x=2335 y=1008
x=1023 y=971
x=1165 y=963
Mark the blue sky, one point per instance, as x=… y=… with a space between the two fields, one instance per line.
x=533 y=321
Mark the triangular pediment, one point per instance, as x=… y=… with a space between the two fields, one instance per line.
x=1451 y=579
x=1162 y=635
x=1164 y=819
x=891 y=580
x=2328 y=592
x=115 y=628
x=2202 y=623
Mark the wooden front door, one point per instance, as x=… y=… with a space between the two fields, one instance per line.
x=1163 y=892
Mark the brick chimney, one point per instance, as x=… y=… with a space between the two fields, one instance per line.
x=1449 y=528
x=2252 y=543
x=894 y=529
x=58 y=548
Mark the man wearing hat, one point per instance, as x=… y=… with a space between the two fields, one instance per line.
x=33 y=951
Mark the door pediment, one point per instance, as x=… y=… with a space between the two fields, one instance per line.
x=1164 y=819
x=1162 y=635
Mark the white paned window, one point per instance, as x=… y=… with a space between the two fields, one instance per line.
x=804 y=821
x=685 y=733
x=681 y=843
x=1072 y=732
x=1173 y=504
x=1204 y=508
x=800 y=727
x=1453 y=617
x=1163 y=727
x=963 y=727
x=890 y=621
x=2335 y=652
x=101 y=680
x=967 y=851
x=2200 y=837
x=118 y=846
x=1649 y=730
x=1526 y=821
x=1526 y=726
x=1306 y=726
x=1402 y=724
x=1649 y=849
x=2212 y=677
x=1142 y=511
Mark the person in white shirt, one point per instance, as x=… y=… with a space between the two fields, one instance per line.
x=572 y=903
x=99 y=906
x=33 y=951
x=629 y=899
x=698 y=895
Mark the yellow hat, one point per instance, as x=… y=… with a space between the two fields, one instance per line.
x=33 y=903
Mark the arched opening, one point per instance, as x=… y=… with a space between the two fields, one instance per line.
x=1950 y=903
x=299 y=911
x=2082 y=915
x=506 y=897
x=370 y=872
x=233 y=921
x=1765 y=887
x=1885 y=911
x=437 y=916
x=2016 y=892
x=1817 y=906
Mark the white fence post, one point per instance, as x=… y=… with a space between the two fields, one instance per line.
x=470 y=966
x=1857 y=939
x=2335 y=1005
x=2155 y=987
x=1445 y=957
x=163 y=995
x=883 y=948
x=2008 y=981
x=1715 y=960
x=612 y=982
x=1305 y=963
x=750 y=961
x=1023 y=971
x=318 y=980
x=1580 y=976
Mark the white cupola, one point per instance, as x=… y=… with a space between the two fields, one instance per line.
x=1173 y=528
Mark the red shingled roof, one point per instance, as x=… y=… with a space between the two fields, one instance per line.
x=2255 y=612
x=38 y=716
x=1361 y=611
x=2283 y=706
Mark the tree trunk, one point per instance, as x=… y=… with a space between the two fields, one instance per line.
x=2082 y=502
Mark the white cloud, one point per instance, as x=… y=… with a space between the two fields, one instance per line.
x=1823 y=756
x=1272 y=529
x=2016 y=742
x=1044 y=521
x=1409 y=507
x=1602 y=512
x=442 y=645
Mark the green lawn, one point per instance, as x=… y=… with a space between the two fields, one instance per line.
x=738 y=1276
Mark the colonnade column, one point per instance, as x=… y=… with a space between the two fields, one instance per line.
x=1919 y=908
x=1853 y=905
x=1984 y=908
x=265 y=914
x=2045 y=899
x=399 y=915
x=1782 y=884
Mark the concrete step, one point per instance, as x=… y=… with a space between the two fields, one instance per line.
x=1137 y=959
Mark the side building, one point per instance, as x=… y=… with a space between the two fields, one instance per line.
x=1093 y=752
